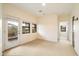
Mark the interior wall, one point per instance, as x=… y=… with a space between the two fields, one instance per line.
x=70 y=30
x=64 y=17
x=48 y=28
x=13 y=11
x=0 y=29
x=75 y=13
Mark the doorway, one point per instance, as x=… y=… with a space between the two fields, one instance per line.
x=11 y=32
x=75 y=31
x=63 y=30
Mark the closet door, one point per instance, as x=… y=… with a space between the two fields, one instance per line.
x=76 y=35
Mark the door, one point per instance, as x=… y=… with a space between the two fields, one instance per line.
x=75 y=31
x=76 y=34
x=12 y=32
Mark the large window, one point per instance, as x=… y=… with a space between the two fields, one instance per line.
x=25 y=28
x=34 y=28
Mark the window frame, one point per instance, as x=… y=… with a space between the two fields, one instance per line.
x=34 y=28
x=26 y=28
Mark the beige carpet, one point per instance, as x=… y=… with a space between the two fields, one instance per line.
x=42 y=48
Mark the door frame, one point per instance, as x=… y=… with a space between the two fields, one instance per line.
x=6 y=42
x=73 y=43
x=67 y=29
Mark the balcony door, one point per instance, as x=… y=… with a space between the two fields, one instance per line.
x=12 y=32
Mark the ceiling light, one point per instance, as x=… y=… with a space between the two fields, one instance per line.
x=43 y=4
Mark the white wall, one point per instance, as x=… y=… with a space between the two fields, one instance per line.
x=0 y=30
x=28 y=37
x=75 y=13
x=70 y=29
x=21 y=15
x=48 y=27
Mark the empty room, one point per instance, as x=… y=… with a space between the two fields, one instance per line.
x=40 y=29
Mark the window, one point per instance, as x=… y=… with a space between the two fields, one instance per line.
x=63 y=28
x=25 y=28
x=34 y=28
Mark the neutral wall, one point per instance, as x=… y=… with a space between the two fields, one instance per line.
x=75 y=13
x=64 y=17
x=0 y=29
x=21 y=15
x=48 y=28
x=70 y=30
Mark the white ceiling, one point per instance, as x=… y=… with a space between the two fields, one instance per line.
x=50 y=8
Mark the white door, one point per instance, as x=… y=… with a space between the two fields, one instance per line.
x=76 y=35
x=12 y=32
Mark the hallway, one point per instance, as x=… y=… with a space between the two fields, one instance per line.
x=40 y=47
